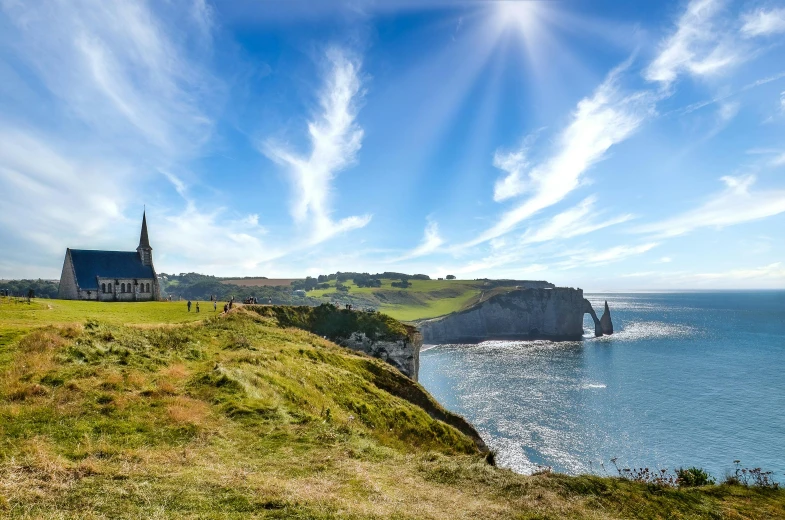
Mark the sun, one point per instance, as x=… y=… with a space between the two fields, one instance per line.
x=521 y=15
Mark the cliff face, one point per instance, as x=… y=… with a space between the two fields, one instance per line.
x=376 y=334
x=403 y=354
x=536 y=313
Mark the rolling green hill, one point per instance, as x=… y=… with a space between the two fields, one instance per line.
x=146 y=411
x=423 y=299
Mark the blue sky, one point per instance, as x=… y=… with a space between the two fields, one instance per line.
x=606 y=145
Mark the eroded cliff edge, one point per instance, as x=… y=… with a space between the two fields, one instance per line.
x=376 y=334
x=555 y=313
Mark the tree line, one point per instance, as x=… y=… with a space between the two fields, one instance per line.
x=41 y=288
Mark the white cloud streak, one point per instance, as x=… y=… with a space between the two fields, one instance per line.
x=698 y=46
x=593 y=258
x=736 y=204
x=606 y=118
x=123 y=99
x=762 y=22
x=578 y=220
x=114 y=66
x=335 y=140
x=431 y=242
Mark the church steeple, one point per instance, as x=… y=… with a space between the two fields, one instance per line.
x=144 y=249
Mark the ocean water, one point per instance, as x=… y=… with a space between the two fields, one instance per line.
x=688 y=379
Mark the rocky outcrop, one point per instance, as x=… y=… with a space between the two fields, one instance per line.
x=527 y=313
x=403 y=354
x=605 y=322
x=588 y=309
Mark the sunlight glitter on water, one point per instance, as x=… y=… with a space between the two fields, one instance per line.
x=575 y=405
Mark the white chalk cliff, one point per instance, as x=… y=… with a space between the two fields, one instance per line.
x=528 y=313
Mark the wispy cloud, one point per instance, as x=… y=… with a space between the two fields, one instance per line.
x=608 y=117
x=122 y=99
x=115 y=66
x=763 y=22
x=769 y=276
x=736 y=204
x=335 y=140
x=578 y=220
x=698 y=46
x=431 y=241
x=585 y=258
x=48 y=194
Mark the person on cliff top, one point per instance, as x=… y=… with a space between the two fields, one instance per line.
x=189 y=305
x=197 y=306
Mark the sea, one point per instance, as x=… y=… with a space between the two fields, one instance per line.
x=687 y=379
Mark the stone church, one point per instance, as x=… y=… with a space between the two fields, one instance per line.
x=116 y=276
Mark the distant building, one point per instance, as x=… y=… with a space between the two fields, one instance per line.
x=125 y=276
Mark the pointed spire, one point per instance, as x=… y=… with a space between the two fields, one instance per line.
x=144 y=242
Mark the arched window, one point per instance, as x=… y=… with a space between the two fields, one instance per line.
x=103 y=287
x=148 y=287
x=122 y=287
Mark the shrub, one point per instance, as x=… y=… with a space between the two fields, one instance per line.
x=450 y=277
x=693 y=477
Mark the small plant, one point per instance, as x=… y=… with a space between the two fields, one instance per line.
x=693 y=477
x=751 y=477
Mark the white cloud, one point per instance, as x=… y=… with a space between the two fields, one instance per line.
x=765 y=277
x=736 y=204
x=606 y=256
x=775 y=271
x=606 y=118
x=578 y=220
x=335 y=140
x=48 y=196
x=665 y=260
x=122 y=99
x=431 y=242
x=762 y=22
x=727 y=111
x=115 y=66
x=699 y=46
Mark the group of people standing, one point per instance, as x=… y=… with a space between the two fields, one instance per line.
x=228 y=305
x=215 y=304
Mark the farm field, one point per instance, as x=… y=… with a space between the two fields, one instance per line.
x=260 y=282
x=423 y=299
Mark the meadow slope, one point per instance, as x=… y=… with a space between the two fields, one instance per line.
x=146 y=411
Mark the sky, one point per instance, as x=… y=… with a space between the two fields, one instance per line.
x=603 y=145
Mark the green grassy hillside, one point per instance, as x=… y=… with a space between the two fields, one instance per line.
x=424 y=299
x=149 y=412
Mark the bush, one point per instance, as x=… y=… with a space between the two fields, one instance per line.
x=403 y=284
x=693 y=477
x=450 y=277
x=341 y=287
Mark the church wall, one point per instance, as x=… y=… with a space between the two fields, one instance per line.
x=67 y=289
x=135 y=296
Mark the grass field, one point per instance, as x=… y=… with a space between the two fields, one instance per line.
x=424 y=299
x=145 y=411
x=260 y=282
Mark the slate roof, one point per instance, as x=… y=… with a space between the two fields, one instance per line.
x=107 y=264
